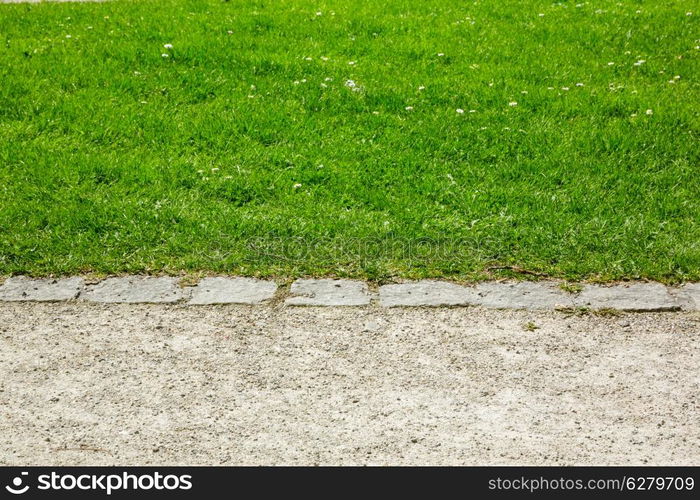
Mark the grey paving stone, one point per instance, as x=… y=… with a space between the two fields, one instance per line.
x=523 y=295
x=19 y=288
x=688 y=296
x=136 y=289
x=628 y=297
x=328 y=292
x=426 y=293
x=232 y=291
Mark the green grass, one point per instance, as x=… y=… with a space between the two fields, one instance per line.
x=238 y=155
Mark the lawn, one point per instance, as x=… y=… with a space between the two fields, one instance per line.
x=402 y=138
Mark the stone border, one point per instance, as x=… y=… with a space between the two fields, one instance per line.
x=530 y=295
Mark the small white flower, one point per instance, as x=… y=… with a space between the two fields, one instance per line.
x=375 y=112
x=303 y=80
x=168 y=46
x=523 y=91
x=409 y=108
x=512 y=103
x=640 y=62
x=308 y=59
x=633 y=115
x=296 y=186
x=229 y=32
x=215 y=169
x=319 y=13
x=550 y=88
x=324 y=85
x=649 y=112
x=324 y=58
x=460 y=111
x=677 y=77
x=579 y=84
x=440 y=54
x=540 y=15
x=611 y=63
x=672 y=81
x=421 y=87
x=472 y=111
x=688 y=13
x=165 y=55
x=565 y=88
x=350 y=84
x=352 y=63
x=329 y=79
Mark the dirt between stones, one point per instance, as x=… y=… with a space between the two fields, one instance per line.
x=120 y=384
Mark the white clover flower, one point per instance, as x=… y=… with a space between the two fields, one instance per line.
x=324 y=58
x=688 y=13
x=319 y=13
x=296 y=186
x=352 y=63
x=512 y=104
x=579 y=84
x=640 y=62
x=350 y=84
x=409 y=108
x=460 y=111
x=440 y=54
x=229 y=32
x=168 y=46
x=649 y=112
x=565 y=88
x=672 y=81
x=165 y=55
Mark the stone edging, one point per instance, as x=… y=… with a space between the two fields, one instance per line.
x=542 y=295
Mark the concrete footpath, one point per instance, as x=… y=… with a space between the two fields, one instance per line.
x=88 y=383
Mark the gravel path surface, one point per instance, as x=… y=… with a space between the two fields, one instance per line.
x=129 y=384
